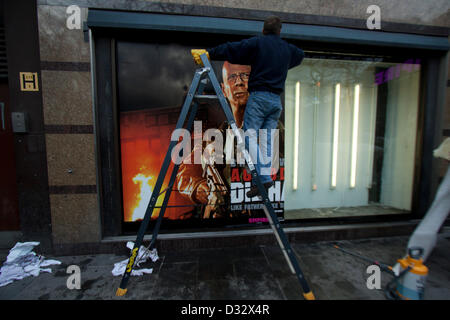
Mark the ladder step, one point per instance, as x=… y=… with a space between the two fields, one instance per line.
x=205 y=96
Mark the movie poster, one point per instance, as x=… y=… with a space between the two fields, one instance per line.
x=153 y=81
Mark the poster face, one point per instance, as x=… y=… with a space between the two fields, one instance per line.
x=153 y=80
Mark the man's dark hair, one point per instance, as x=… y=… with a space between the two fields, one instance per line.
x=272 y=25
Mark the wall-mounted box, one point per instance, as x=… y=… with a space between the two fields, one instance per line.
x=19 y=122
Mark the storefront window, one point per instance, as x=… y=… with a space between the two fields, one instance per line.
x=152 y=80
x=352 y=126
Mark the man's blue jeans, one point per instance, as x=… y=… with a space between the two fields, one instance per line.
x=262 y=112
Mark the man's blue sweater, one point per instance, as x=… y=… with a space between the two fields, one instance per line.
x=269 y=56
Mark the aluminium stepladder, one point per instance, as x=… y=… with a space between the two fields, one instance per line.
x=199 y=81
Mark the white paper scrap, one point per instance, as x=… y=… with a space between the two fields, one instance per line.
x=143 y=255
x=22 y=262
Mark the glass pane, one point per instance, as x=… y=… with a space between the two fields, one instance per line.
x=352 y=125
x=152 y=81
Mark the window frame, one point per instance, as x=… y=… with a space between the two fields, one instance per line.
x=105 y=26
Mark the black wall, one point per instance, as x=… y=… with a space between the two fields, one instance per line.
x=22 y=41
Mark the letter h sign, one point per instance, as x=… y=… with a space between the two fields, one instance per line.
x=29 y=81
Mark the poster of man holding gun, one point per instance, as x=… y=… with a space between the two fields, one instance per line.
x=209 y=184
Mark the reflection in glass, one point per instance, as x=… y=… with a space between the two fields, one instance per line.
x=354 y=127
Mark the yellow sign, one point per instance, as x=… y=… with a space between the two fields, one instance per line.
x=29 y=81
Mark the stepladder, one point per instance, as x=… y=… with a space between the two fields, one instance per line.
x=203 y=76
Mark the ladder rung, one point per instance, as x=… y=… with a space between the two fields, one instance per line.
x=205 y=96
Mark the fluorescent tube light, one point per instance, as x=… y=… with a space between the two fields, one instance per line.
x=337 y=99
x=296 y=133
x=354 y=137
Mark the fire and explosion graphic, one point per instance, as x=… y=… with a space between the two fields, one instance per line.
x=143 y=196
x=144 y=138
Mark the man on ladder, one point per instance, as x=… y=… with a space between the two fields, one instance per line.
x=270 y=57
x=269 y=104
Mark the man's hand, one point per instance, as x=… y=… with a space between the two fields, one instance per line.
x=196 y=53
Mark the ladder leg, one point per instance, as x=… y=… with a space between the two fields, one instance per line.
x=162 y=174
x=283 y=242
x=268 y=209
x=172 y=178
x=288 y=252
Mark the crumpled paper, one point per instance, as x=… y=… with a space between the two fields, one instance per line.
x=22 y=262
x=143 y=255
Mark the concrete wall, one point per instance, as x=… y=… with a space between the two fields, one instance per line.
x=67 y=96
x=435 y=13
x=68 y=119
x=431 y=13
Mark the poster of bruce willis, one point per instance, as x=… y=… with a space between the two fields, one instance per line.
x=153 y=81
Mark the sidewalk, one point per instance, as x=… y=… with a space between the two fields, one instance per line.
x=254 y=273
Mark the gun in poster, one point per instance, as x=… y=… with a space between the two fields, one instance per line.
x=217 y=188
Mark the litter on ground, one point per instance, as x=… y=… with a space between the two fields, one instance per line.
x=143 y=255
x=22 y=262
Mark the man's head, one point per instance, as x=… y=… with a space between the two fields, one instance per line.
x=272 y=25
x=235 y=84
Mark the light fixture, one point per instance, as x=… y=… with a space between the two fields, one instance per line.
x=337 y=98
x=314 y=138
x=296 y=133
x=354 y=137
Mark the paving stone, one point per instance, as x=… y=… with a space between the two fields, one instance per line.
x=250 y=273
